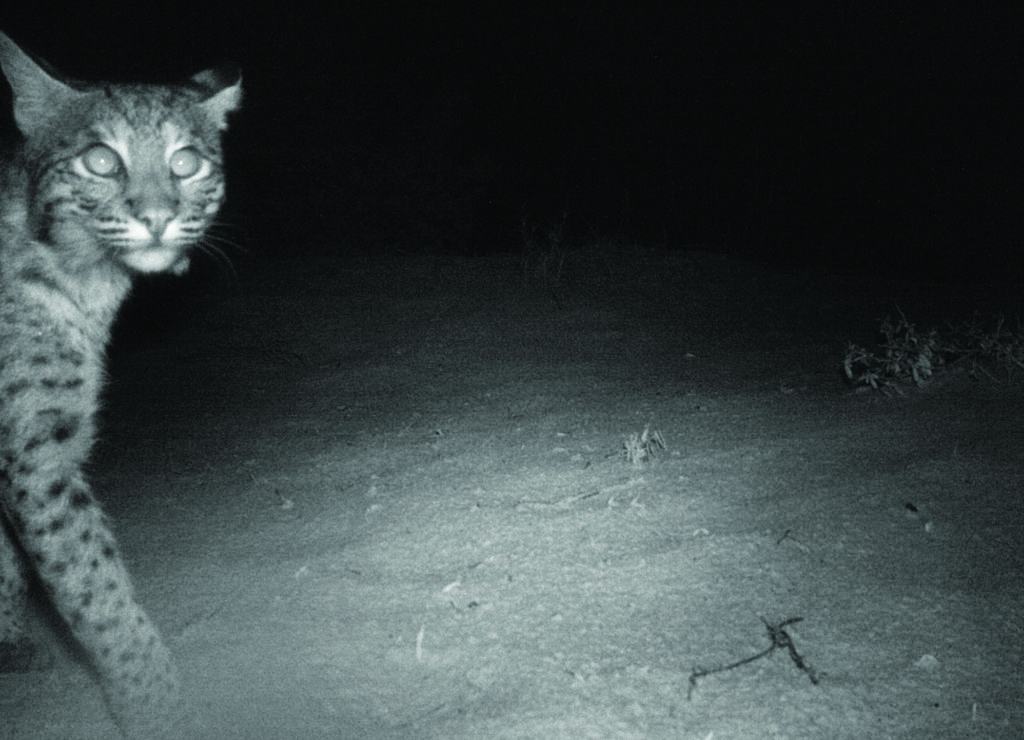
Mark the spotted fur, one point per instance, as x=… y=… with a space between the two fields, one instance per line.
x=109 y=181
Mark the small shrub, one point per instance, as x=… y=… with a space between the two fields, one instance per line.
x=906 y=354
x=544 y=250
x=640 y=448
x=992 y=350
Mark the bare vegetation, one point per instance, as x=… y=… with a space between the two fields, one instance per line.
x=905 y=354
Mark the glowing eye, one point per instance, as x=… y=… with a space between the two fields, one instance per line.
x=101 y=160
x=185 y=163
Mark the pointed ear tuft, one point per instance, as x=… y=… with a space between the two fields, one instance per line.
x=223 y=90
x=38 y=96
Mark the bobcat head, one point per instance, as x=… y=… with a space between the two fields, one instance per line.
x=125 y=173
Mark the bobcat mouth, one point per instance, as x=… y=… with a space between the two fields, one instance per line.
x=155 y=247
x=157 y=256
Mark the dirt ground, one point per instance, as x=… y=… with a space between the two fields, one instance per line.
x=391 y=500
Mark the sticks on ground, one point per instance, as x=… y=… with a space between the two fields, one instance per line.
x=780 y=639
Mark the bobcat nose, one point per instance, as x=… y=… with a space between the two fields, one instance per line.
x=156 y=220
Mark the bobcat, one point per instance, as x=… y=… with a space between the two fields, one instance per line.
x=109 y=181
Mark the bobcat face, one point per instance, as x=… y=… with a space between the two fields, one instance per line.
x=146 y=201
x=139 y=181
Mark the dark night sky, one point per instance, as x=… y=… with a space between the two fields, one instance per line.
x=868 y=139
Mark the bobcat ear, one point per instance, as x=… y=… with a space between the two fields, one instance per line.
x=38 y=95
x=223 y=90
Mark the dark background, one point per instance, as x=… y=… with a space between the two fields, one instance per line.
x=857 y=139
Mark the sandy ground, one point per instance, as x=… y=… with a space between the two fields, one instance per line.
x=392 y=501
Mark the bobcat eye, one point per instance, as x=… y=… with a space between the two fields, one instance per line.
x=185 y=162
x=101 y=160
